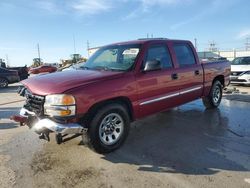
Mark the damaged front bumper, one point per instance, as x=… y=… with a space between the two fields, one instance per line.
x=44 y=126
x=69 y=128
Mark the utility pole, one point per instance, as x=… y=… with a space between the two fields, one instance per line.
x=38 y=51
x=7 y=60
x=212 y=47
x=74 y=44
x=195 y=44
x=88 y=47
x=247 y=44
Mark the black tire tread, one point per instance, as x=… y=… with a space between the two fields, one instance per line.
x=7 y=82
x=93 y=133
x=208 y=101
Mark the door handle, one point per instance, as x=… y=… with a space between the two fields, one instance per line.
x=197 y=72
x=174 y=76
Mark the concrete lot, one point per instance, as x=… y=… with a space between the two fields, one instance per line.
x=184 y=147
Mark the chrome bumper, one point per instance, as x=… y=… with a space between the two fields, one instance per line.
x=46 y=124
x=69 y=128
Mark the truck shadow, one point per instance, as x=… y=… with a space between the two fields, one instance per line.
x=181 y=141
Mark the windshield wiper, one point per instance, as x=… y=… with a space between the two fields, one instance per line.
x=105 y=68
x=84 y=67
x=101 y=68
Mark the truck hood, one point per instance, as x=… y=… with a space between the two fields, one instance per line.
x=59 y=82
x=240 y=68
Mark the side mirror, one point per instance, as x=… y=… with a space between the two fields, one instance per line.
x=152 y=66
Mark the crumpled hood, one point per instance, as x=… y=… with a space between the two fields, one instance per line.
x=59 y=82
x=240 y=68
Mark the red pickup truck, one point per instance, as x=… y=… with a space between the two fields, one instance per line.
x=119 y=84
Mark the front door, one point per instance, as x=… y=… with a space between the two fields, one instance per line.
x=157 y=90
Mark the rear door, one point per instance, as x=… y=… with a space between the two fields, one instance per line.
x=157 y=90
x=189 y=71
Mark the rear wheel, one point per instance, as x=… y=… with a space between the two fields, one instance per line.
x=4 y=82
x=213 y=100
x=109 y=128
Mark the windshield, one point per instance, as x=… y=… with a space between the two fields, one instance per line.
x=241 y=61
x=115 y=58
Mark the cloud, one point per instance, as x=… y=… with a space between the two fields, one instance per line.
x=91 y=6
x=149 y=3
x=243 y=34
x=144 y=6
x=4 y=48
x=47 y=5
x=7 y=6
x=161 y=2
x=190 y=20
x=212 y=8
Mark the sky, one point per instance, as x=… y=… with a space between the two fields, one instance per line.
x=55 y=23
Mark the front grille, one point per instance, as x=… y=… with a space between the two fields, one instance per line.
x=236 y=73
x=34 y=103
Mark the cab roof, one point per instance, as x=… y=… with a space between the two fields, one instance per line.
x=146 y=40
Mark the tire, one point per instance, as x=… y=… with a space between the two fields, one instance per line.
x=213 y=100
x=109 y=128
x=3 y=83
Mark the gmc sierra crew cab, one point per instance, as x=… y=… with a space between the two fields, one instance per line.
x=119 y=84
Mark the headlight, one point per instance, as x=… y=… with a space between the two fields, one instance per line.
x=60 y=105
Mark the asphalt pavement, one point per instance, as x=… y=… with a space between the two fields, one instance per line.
x=187 y=146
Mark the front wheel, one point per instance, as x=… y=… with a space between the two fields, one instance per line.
x=213 y=100
x=109 y=128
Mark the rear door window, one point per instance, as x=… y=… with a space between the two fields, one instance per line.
x=161 y=54
x=184 y=55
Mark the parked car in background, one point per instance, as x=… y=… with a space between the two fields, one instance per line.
x=43 y=69
x=240 y=70
x=22 y=71
x=119 y=84
x=8 y=77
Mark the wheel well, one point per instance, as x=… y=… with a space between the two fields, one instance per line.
x=5 y=79
x=120 y=100
x=221 y=79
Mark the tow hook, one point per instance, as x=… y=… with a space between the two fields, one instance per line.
x=59 y=138
x=44 y=136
